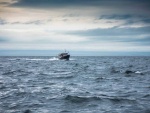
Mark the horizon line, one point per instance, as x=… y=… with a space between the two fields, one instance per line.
x=72 y=52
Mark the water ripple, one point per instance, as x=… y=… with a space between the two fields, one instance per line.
x=80 y=85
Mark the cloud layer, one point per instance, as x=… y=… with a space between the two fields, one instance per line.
x=95 y=3
x=97 y=25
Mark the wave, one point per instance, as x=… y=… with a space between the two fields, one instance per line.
x=39 y=59
x=121 y=100
x=60 y=73
x=80 y=99
x=13 y=72
x=8 y=73
x=36 y=59
x=146 y=96
x=50 y=59
x=115 y=70
x=57 y=74
x=14 y=59
x=63 y=77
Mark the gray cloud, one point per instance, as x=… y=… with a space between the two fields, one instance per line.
x=3 y=22
x=140 y=19
x=35 y=22
x=58 y=3
x=113 y=32
x=146 y=20
x=71 y=15
x=4 y=3
x=2 y=40
x=145 y=41
x=116 y=17
x=137 y=41
x=62 y=3
x=7 y=3
x=128 y=35
x=129 y=19
x=128 y=10
x=142 y=41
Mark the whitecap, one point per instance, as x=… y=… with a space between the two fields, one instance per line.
x=138 y=72
x=36 y=59
x=50 y=59
x=53 y=59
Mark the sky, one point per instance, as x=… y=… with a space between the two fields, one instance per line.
x=90 y=26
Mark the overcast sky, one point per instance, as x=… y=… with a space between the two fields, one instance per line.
x=75 y=25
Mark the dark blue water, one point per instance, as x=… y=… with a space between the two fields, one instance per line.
x=80 y=85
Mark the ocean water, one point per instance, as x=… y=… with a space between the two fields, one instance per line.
x=80 y=85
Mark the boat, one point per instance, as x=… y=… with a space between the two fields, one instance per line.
x=64 y=56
